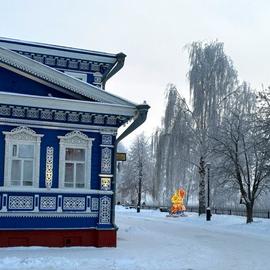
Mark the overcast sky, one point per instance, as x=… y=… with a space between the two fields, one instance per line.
x=152 y=33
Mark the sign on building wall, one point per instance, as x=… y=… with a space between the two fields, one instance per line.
x=121 y=156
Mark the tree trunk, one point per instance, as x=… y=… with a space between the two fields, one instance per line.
x=202 y=195
x=249 y=212
x=202 y=208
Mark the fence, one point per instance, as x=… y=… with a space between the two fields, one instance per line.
x=237 y=212
x=218 y=211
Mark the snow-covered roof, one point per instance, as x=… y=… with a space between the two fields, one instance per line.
x=61 y=51
x=26 y=66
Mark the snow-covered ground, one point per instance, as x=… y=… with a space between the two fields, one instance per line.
x=150 y=240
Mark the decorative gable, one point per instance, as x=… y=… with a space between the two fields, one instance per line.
x=55 y=79
x=92 y=67
x=17 y=83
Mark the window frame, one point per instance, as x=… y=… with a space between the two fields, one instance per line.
x=22 y=161
x=75 y=162
x=75 y=140
x=21 y=136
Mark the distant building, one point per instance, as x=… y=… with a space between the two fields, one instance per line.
x=57 y=144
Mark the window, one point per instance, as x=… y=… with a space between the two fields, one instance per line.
x=75 y=160
x=74 y=168
x=22 y=165
x=22 y=156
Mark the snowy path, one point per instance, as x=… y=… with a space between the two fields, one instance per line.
x=183 y=244
x=151 y=241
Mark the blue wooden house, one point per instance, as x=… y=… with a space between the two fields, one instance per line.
x=58 y=139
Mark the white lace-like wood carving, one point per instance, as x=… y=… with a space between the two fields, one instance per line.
x=49 y=167
x=22 y=133
x=105 y=210
x=76 y=138
x=106 y=160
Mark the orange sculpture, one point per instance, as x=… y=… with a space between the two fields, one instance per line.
x=178 y=201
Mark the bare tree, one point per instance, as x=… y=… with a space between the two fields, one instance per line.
x=264 y=110
x=241 y=148
x=182 y=146
x=139 y=164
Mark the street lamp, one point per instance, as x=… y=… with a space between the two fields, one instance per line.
x=208 y=210
x=140 y=186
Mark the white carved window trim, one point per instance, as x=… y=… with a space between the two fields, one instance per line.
x=75 y=139
x=19 y=136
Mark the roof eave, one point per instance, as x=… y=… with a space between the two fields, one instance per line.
x=66 y=104
x=48 y=74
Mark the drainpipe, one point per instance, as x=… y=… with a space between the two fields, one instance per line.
x=119 y=64
x=139 y=119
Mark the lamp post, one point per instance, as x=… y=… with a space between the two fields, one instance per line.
x=140 y=187
x=208 y=210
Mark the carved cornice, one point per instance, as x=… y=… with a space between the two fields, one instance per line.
x=22 y=112
x=66 y=104
x=69 y=63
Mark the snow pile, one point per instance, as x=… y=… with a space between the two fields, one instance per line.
x=150 y=240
